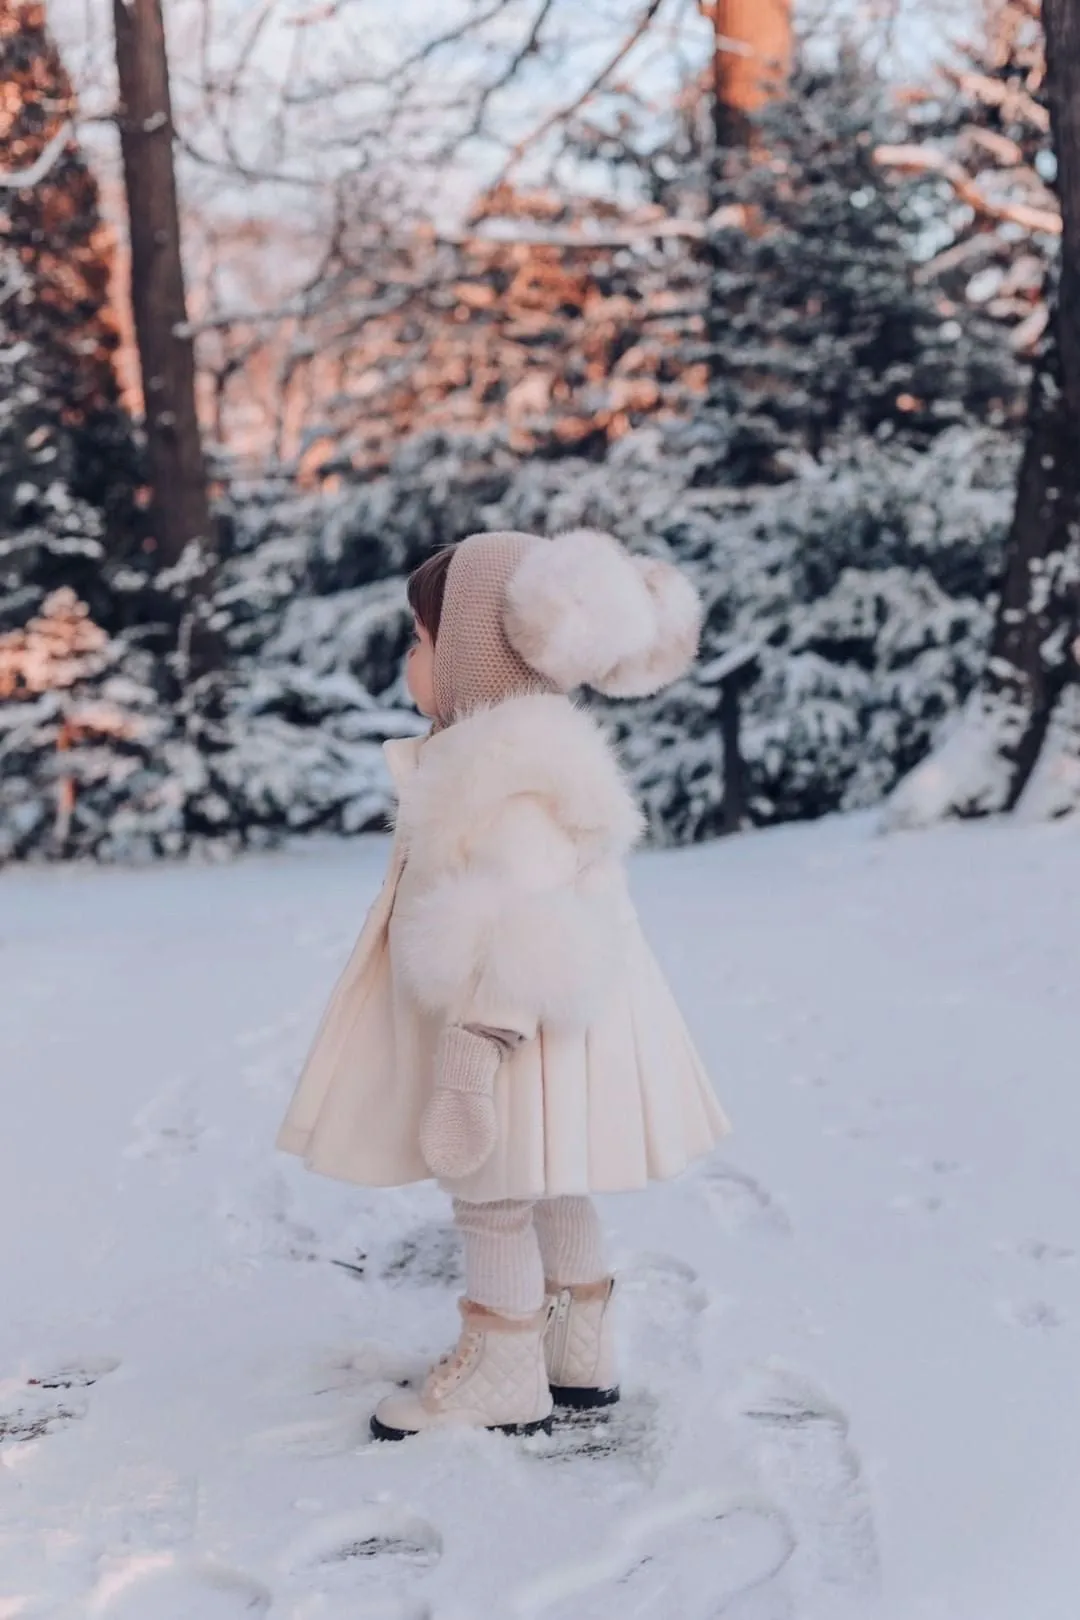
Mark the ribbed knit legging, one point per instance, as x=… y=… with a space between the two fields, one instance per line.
x=512 y=1247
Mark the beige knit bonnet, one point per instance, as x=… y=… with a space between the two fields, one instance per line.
x=523 y=614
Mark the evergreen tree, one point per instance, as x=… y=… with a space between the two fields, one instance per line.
x=825 y=331
x=983 y=138
x=1019 y=743
x=815 y=321
x=57 y=267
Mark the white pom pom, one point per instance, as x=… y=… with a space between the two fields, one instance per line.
x=576 y=607
x=674 y=646
x=584 y=612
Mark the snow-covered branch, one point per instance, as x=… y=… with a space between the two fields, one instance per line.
x=25 y=179
x=924 y=160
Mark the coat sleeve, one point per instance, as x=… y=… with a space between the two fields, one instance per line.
x=516 y=938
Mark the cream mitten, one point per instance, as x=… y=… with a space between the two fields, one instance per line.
x=458 y=1131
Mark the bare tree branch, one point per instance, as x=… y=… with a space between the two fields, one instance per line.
x=529 y=48
x=923 y=160
x=1014 y=103
x=563 y=113
x=452 y=36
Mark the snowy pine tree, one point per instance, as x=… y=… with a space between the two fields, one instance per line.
x=1018 y=745
x=825 y=330
x=815 y=321
x=57 y=268
x=982 y=138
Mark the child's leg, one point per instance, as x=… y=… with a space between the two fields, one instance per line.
x=571 y=1241
x=503 y=1269
x=580 y=1344
x=497 y=1377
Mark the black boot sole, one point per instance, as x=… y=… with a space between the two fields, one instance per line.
x=584 y=1400
x=380 y=1431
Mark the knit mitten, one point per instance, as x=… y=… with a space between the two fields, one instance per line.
x=458 y=1131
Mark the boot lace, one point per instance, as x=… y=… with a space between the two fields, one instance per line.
x=449 y=1368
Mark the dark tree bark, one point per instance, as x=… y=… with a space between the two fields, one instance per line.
x=1062 y=22
x=735 y=808
x=1032 y=655
x=181 y=512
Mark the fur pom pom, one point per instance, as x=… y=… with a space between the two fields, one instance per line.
x=583 y=611
x=677 y=609
x=516 y=960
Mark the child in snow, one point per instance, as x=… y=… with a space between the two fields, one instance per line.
x=502 y=1024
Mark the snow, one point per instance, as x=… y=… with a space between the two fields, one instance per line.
x=967 y=773
x=850 y=1341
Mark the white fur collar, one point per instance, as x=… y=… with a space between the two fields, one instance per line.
x=538 y=745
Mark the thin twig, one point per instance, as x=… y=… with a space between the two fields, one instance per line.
x=528 y=49
x=562 y=114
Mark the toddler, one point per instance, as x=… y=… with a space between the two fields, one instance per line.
x=502 y=1024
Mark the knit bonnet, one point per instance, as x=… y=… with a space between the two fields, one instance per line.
x=522 y=614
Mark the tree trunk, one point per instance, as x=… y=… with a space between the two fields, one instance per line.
x=735 y=808
x=745 y=80
x=1061 y=19
x=1032 y=655
x=987 y=764
x=739 y=85
x=181 y=512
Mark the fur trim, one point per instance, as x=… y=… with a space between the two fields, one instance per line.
x=509 y=820
x=539 y=746
x=582 y=611
x=475 y=948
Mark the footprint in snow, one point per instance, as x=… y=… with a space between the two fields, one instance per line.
x=80 y=1374
x=1040 y=1252
x=379 y=1533
x=168 y=1588
x=739 y=1203
x=706 y=1556
x=802 y=1451
x=1037 y=1314
x=33 y=1407
x=628 y=1435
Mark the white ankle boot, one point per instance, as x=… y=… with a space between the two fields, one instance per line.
x=495 y=1379
x=579 y=1345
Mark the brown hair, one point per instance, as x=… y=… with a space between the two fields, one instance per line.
x=427 y=588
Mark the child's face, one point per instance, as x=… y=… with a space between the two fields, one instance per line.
x=420 y=671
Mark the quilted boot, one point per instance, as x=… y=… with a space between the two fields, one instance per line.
x=580 y=1345
x=494 y=1379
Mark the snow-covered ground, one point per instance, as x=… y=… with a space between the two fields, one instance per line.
x=852 y=1342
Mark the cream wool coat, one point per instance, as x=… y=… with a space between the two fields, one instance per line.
x=506 y=905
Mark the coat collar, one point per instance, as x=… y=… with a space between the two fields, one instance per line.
x=402 y=755
x=455 y=782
